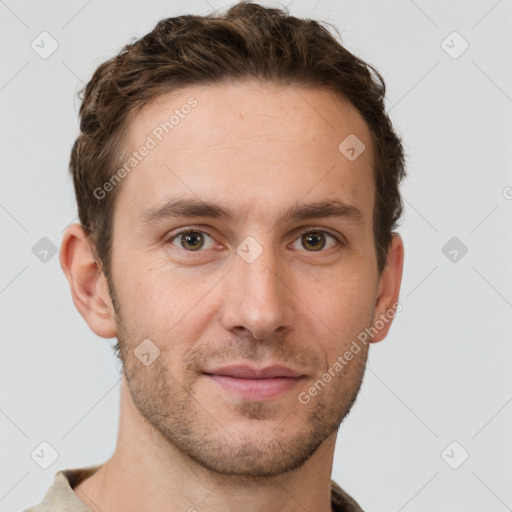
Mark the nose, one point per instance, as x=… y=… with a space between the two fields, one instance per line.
x=257 y=298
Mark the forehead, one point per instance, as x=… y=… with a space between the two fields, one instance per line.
x=251 y=142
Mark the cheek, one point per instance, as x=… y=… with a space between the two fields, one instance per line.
x=147 y=296
x=341 y=307
x=162 y=302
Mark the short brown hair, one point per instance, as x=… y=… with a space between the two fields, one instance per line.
x=249 y=41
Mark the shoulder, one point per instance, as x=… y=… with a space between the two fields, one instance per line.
x=60 y=496
x=341 y=501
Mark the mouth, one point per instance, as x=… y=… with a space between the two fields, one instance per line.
x=255 y=383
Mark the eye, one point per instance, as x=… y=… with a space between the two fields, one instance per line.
x=315 y=241
x=192 y=240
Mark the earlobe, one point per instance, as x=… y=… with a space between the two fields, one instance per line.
x=87 y=281
x=387 y=304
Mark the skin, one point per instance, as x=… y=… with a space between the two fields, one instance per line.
x=184 y=442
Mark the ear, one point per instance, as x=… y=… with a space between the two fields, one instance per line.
x=89 y=287
x=389 y=290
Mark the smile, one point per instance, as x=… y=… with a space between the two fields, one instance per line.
x=256 y=389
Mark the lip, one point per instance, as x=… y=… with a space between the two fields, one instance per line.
x=256 y=383
x=248 y=372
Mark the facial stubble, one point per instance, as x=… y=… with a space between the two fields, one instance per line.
x=171 y=406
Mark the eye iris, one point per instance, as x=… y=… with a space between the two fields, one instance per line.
x=190 y=239
x=312 y=239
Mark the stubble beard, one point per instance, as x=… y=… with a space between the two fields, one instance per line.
x=182 y=420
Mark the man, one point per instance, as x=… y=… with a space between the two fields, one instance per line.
x=237 y=186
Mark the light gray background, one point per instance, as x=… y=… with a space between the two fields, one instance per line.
x=443 y=373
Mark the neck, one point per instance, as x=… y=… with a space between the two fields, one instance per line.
x=147 y=472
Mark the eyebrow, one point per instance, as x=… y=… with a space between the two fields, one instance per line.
x=192 y=207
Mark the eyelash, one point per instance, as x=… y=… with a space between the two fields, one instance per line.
x=176 y=234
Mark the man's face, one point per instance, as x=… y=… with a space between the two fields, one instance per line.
x=256 y=290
